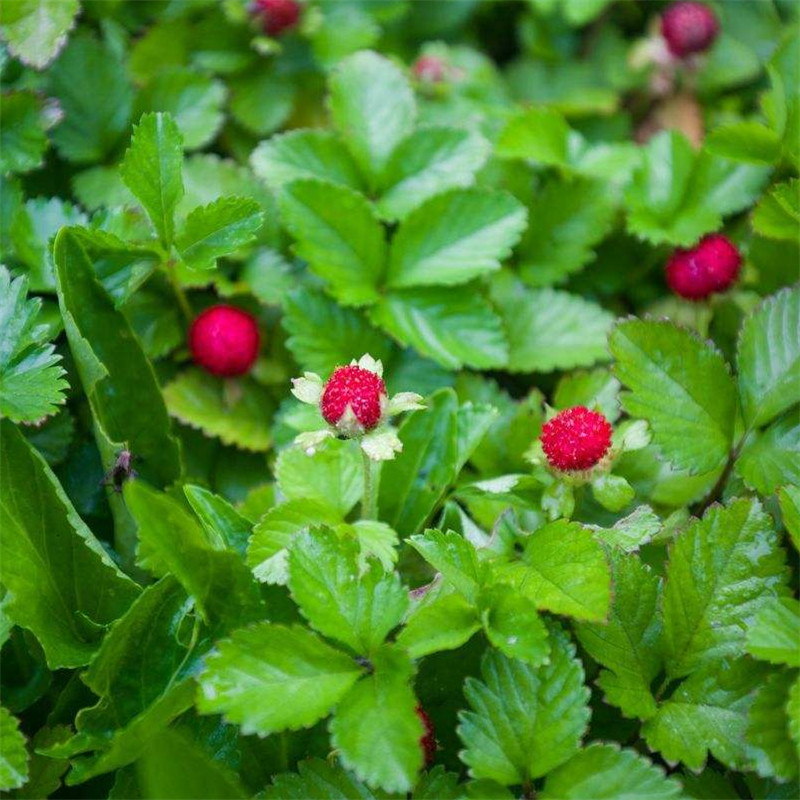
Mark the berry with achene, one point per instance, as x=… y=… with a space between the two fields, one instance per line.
x=429 y=69
x=689 y=28
x=224 y=340
x=357 y=389
x=277 y=16
x=428 y=740
x=576 y=439
x=712 y=265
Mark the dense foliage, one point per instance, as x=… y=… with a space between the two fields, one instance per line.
x=537 y=536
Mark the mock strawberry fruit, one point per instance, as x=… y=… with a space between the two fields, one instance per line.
x=353 y=400
x=576 y=439
x=277 y=16
x=224 y=340
x=689 y=28
x=712 y=265
x=428 y=740
x=429 y=69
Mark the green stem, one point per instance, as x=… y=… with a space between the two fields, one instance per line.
x=183 y=301
x=369 y=501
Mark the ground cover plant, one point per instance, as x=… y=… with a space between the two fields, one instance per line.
x=399 y=399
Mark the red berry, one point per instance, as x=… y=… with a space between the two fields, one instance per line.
x=710 y=266
x=224 y=340
x=576 y=439
x=359 y=389
x=689 y=28
x=277 y=16
x=429 y=69
x=428 y=740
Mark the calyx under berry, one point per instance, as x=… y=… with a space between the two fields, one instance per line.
x=689 y=28
x=712 y=265
x=224 y=340
x=576 y=439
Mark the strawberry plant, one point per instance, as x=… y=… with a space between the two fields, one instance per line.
x=399 y=399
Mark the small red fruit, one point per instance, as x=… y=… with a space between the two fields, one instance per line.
x=224 y=340
x=429 y=69
x=712 y=265
x=576 y=439
x=277 y=16
x=689 y=28
x=428 y=741
x=359 y=389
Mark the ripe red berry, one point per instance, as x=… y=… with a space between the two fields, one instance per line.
x=712 y=265
x=224 y=340
x=688 y=28
x=576 y=439
x=429 y=69
x=277 y=16
x=428 y=740
x=359 y=389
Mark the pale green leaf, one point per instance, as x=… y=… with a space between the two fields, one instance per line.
x=774 y=634
x=35 y=30
x=445 y=623
x=633 y=531
x=262 y=98
x=613 y=492
x=14 y=767
x=769 y=745
x=777 y=215
x=539 y=134
x=454 y=557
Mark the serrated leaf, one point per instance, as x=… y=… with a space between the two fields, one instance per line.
x=31 y=376
x=152 y=169
x=606 y=771
x=774 y=634
x=539 y=134
x=789 y=497
x=64 y=586
x=769 y=745
x=525 y=720
x=217 y=230
x=722 y=570
x=337 y=232
x=240 y=417
x=513 y=625
x=454 y=238
x=777 y=215
x=318 y=778
x=23 y=138
x=372 y=106
x=223 y=524
x=793 y=712
x=35 y=30
x=768 y=358
x=633 y=531
x=767 y=460
x=14 y=768
x=376 y=728
x=268 y=678
x=262 y=99
x=455 y=558
x=445 y=623
x=455 y=327
x=681 y=386
x=746 y=140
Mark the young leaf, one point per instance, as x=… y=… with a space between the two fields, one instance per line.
x=222 y=522
x=35 y=30
x=152 y=169
x=444 y=623
x=513 y=625
x=31 y=377
x=267 y=678
x=681 y=386
x=777 y=214
x=539 y=134
x=774 y=635
x=768 y=458
x=14 y=768
x=525 y=720
x=455 y=558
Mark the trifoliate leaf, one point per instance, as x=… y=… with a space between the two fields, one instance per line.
x=454 y=238
x=768 y=358
x=373 y=107
x=455 y=558
x=767 y=460
x=35 y=30
x=721 y=571
x=152 y=168
x=606 y=771
x=769 y=745
x=14 y=768
x=777 y=215
x=513 y=625
x=31 y=377
x=23 y=137
x=774 y=634
x=525 y=720
x=681 y=386
x=318 y=778
x=337 y=232
x=268 y=678
x=445 y=623
x=376 y=728
x=237 y=413
x=627 y=645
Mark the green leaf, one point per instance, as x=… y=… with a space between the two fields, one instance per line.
x=152 y=168
x=681 y=386
x=513 y=625
x=789 y=497
x=262 y=98
x=238 y=416
x=563 y=570
x=376 y=728
x=455 y=558
x=63 y=585
x=218 y=229
x=633 y=531
x=768 y=358
x=627 y=645
x=606 y=771
x=455 y=327
x=31 y=377
x=429 y=162
x=774 y=634
x=35 y=30
x=768 y=459
x=444 y=623
x=454 y=238
x=550 y=330
x=305 y=154
x=777 y=214
x=372 y=106
x=525 y=720
x=769 y=744
x=268 y=678
x=318 y=778
x=747 y=140
x=613 y=492
x=356 y=608
x=539 y=134
x=119 y=382
x=706 y=714
x=722 y=569
x=23 y=139
x=222 y=522
x=337 y=232
x=14 y=769
x=94 y=93
x=793 y=712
